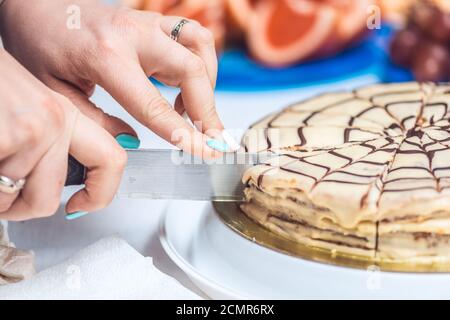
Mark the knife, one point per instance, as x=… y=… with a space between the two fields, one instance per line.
x=173 y=174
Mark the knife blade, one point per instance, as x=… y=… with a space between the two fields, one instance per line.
x=173 y=174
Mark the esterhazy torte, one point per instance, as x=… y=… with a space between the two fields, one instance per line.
x=364 y=172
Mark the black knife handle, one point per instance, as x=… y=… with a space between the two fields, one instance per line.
x=76 y=173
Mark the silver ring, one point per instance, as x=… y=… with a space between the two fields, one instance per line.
x=10 y=186
x=176 y=31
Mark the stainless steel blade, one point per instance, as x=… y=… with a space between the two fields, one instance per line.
x=172 y=174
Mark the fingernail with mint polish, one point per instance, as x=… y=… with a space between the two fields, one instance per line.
x=231 y=142
x=128 y=141
x=76 y=215
x=217 y=145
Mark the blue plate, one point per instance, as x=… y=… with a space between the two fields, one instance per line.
x=370 y=57
x=238 y=72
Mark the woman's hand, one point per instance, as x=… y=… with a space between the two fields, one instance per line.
x=38 y=129
x=118 y=49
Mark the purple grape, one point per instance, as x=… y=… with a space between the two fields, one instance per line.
x=403 y=47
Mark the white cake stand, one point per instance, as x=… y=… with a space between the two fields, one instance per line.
x=227 y=266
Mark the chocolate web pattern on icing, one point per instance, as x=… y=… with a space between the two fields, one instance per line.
x=387 y=139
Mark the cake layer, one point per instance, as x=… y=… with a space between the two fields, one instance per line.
x=417 y=246
x=413 y=237
x=309 y=225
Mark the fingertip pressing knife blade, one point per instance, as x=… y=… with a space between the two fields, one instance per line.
x=173 y=174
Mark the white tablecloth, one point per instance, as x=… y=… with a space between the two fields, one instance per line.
x=54 y=239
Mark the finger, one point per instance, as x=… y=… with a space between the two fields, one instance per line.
x=16 y=167
x=6 y=200
x=196 y=38
x=34 y=143
x=137 y=94
x=179 y=67
x=105 y=161
x=200 y=41
x=113 y=125
x=42 y=192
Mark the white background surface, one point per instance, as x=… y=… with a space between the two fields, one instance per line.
x=54 y=239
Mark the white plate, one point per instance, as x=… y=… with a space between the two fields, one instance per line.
x=226 y=266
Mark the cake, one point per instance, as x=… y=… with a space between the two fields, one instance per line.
x=363 y=173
